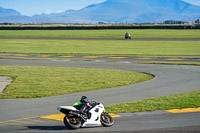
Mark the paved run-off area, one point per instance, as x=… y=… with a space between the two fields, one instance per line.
x=4 y=82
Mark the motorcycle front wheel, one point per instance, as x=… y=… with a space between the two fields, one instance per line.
x=72 y=122
x=106 y=120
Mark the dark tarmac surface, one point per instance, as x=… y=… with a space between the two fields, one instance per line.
x=157 y=123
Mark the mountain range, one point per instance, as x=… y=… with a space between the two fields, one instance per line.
x=113 y=11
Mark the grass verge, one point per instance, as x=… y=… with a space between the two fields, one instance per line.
x=170 y=63
x=178 y=101
x=96 y=47
x=40 y=81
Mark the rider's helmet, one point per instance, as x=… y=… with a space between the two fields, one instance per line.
x=84 y=98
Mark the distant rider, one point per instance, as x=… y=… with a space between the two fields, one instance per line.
x=127 y=36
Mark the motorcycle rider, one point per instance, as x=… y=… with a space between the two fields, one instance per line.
x=127 y=36
x=83 y=105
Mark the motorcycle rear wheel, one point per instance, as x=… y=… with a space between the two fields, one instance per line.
x=106 y=120
x=72 y=122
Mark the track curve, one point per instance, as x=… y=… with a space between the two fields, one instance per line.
x=169 y=79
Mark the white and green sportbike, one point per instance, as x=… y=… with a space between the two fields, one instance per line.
x=96 y=116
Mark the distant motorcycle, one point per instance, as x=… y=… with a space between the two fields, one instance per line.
x=127 y=36
x=96 y=116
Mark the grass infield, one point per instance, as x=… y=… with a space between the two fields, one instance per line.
x=96 y=47
x=40 y=81
x=135 y=33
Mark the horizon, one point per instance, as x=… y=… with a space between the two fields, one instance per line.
x=54 y=6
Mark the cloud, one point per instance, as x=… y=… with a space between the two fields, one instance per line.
x=58 y=11
x=195 y=2
x=48 y=11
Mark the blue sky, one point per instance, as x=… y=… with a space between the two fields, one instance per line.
x=32 y=7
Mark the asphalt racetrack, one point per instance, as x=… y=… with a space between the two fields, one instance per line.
x=23 y=115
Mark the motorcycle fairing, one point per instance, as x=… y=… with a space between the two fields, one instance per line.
x=94 y=119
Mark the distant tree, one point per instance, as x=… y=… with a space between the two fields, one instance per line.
x=174 y=22
x=6 y=23
x=101 y=23
x=197 y=21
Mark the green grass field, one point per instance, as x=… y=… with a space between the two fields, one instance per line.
x=178 y=101
x=96 y=47
x=38 y=81
x=135 y=33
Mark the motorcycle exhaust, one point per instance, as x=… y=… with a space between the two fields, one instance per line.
x=79 y=115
